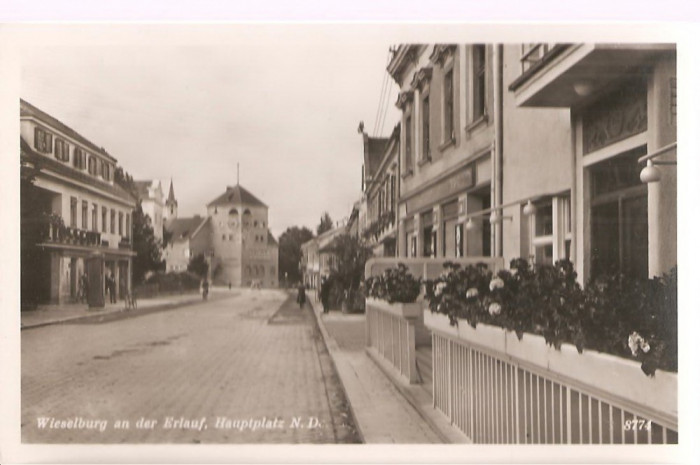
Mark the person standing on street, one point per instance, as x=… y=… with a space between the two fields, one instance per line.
x=301 y=295
x=111 y=288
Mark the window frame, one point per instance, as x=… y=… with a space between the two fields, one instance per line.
x=425 y=126
x=479 y=83
x=448 y=132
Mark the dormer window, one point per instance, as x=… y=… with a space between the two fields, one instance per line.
x=62 y=152
x=43 y=141
x=92 y=165
x=233 y=212
x=79 y=158
x=104 y=170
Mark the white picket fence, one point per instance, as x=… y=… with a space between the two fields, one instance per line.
x=496 y=398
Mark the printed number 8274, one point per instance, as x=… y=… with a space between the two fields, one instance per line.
x=638 y=425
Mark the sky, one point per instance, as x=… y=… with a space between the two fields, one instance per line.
x=190 y=103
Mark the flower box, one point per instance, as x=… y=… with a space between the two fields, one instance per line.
x=408 y=311
x=615 y=376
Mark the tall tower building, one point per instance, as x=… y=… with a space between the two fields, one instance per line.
x=244 y=250
x=170 y=211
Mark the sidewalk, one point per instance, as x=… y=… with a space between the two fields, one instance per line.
x=71 y=313
x=383 y=414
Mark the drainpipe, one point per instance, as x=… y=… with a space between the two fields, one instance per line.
x=497 y=186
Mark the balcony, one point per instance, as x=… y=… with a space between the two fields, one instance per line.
x=381 y=227
x=59 y=234
x=125 y=243
x=566 y=75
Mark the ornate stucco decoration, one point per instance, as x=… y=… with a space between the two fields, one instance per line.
x=441 y=52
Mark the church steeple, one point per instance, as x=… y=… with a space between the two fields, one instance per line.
x=171 y=203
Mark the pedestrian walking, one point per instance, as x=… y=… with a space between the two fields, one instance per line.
x=205 y=289
x=325 y=293
x=301 y=295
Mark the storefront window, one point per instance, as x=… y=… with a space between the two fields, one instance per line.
x=619 y=223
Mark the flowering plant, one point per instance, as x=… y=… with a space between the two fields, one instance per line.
x=618 y=315
x=394 y=285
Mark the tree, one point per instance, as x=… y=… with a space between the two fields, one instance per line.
x=326 y=224
x=290 y=252
x=349 y=273
x=198 y=265
x=351 y=256
x=146 y=246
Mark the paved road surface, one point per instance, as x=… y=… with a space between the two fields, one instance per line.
x=249 y=369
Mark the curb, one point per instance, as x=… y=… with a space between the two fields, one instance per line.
x=333 y=349
x=115 y=314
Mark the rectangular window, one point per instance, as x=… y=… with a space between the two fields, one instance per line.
x=425 y=114
x=92 y=166
x=84 y=216
x=409 y=148
x=94 y=217
x=104 y=219
x=414 y=246
x=73 y=212
x=448 y=90
x=543 y=234
x=79 y=157
x=62 y=150
x=121 y=223
x=459 y=240
x=127 y=232
x=43 y=141
x=112 y=220
x=392 y=191
x=619 y=217
x=479 y=81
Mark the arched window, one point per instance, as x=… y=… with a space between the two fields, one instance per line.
x=233 y=212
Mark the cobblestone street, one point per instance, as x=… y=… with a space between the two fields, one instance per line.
x=248 y=369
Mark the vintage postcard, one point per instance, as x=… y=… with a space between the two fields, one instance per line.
x=230 y=236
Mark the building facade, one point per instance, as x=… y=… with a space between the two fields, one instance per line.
x=622 y=101
x=317 y=260
x=447 y=149
x=234 y=237
x=380 y=183
x=189 y=237
x=78 y=212
x=152 y=203
x=538 y=151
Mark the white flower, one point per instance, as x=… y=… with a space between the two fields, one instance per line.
x=495 y=308
x=439 y=287
x=636 y=342
x=496 y=283
x=644 y=346
x=472 y=292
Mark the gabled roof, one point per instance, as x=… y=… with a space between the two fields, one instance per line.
x=41 y=161
x=185 y=228
x=236 y=195
x=28 y=110
x=271 y=239
x=374 y=152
